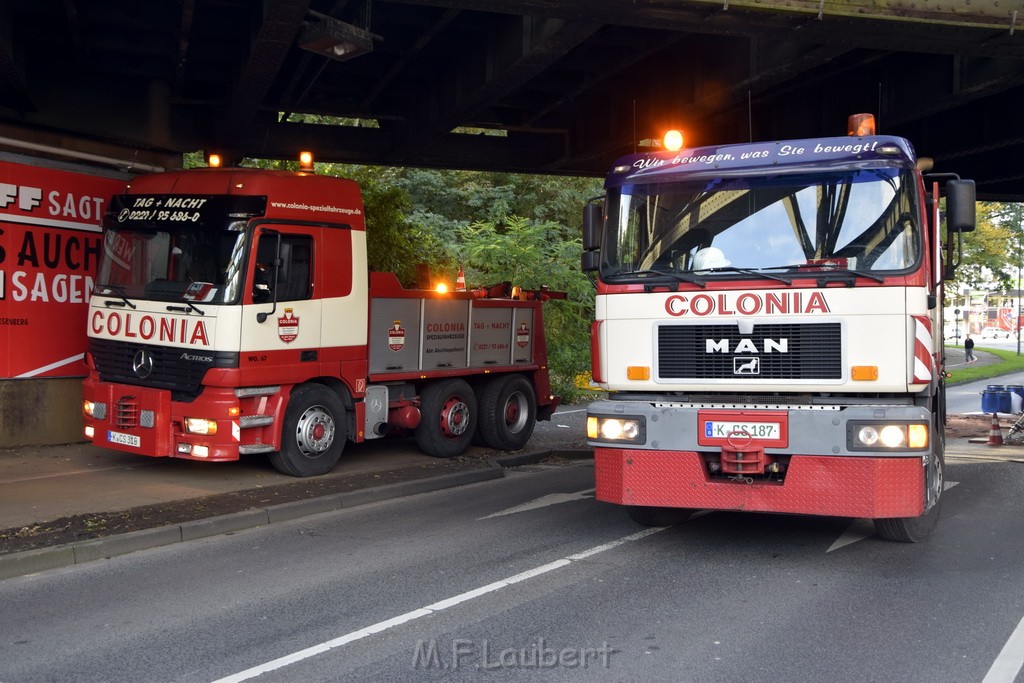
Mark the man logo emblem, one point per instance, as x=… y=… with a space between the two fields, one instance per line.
x=142 y=364
x=746 y=366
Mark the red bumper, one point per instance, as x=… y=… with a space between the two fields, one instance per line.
x=814 y=484
x=146 y=422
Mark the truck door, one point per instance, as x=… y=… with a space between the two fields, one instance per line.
x=281 y=314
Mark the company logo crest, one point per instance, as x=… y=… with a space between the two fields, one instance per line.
x=522 y=335
x=396 y=336
x=142 y=364
x=288 y=326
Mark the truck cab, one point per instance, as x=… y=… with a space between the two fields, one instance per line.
x=768 y=324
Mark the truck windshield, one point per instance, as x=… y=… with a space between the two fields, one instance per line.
x=173 y=263
x=860 y=220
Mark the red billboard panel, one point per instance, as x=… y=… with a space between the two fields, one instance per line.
x=50 y=246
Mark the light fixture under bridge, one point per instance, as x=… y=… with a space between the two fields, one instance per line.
x=336 y=39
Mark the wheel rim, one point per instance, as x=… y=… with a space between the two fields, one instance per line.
x=454 y=418
x=314 y=432
x=516 y=411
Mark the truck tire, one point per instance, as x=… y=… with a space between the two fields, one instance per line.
x=914 y=529
x=313 y=435
x=448 y=418
x=645 y=515
x=508 y=412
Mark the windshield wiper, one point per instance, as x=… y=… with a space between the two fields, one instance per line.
x=827 y=269
x=119 y=291
x=647 y=275
x=748 y=271
x=188 y=307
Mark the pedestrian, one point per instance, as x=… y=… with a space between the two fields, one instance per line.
x=969 y=349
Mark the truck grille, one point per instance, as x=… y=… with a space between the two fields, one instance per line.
x=813 y=351
x=167 y=369
x=126 y=412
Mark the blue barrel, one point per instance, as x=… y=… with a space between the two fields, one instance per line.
x=1016 y=396
x=996 y=402
x=995 y=387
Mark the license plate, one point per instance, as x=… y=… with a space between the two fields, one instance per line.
x=124 y=439
x=720 y=429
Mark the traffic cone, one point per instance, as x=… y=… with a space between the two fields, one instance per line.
x=995 y=436
x=460 y=282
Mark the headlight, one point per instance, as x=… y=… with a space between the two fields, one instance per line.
x=885 y=436
x=94 y=410
x=616 y=429
x=200 y=425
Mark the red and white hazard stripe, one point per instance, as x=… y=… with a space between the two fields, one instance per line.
x=923 y=365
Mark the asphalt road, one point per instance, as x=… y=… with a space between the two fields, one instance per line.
x=528 y=577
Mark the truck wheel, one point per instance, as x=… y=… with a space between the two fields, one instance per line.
x=449 y=416
x=914 y=529
x=314 y=432
x=508 y=412
x=654 y=516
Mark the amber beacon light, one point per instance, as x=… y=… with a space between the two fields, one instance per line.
x=673 y=140
x=860 y=124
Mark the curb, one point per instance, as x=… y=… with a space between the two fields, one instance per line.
x=43 y=559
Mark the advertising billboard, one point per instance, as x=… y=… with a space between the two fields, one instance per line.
x=50 y=246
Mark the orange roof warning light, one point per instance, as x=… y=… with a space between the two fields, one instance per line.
x=859 y=125
x=673 y=140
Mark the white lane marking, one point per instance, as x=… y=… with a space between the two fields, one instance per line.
x=570 y=412
x=860 y=529
x=381 y=626
x=544 y=501
x=1010 y=660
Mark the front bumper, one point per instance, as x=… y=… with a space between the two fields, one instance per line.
x=807 y=465
x=146 y=421
x=814 y=485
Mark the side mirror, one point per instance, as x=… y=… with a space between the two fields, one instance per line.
x=593 y=217
x=960 y=199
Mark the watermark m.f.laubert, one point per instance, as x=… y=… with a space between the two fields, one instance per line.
x=483 y=655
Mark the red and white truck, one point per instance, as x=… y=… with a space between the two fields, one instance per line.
x=768 y=324
x=234 y=313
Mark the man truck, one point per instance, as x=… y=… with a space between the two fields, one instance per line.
x=234 y=314
x=768 y=327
